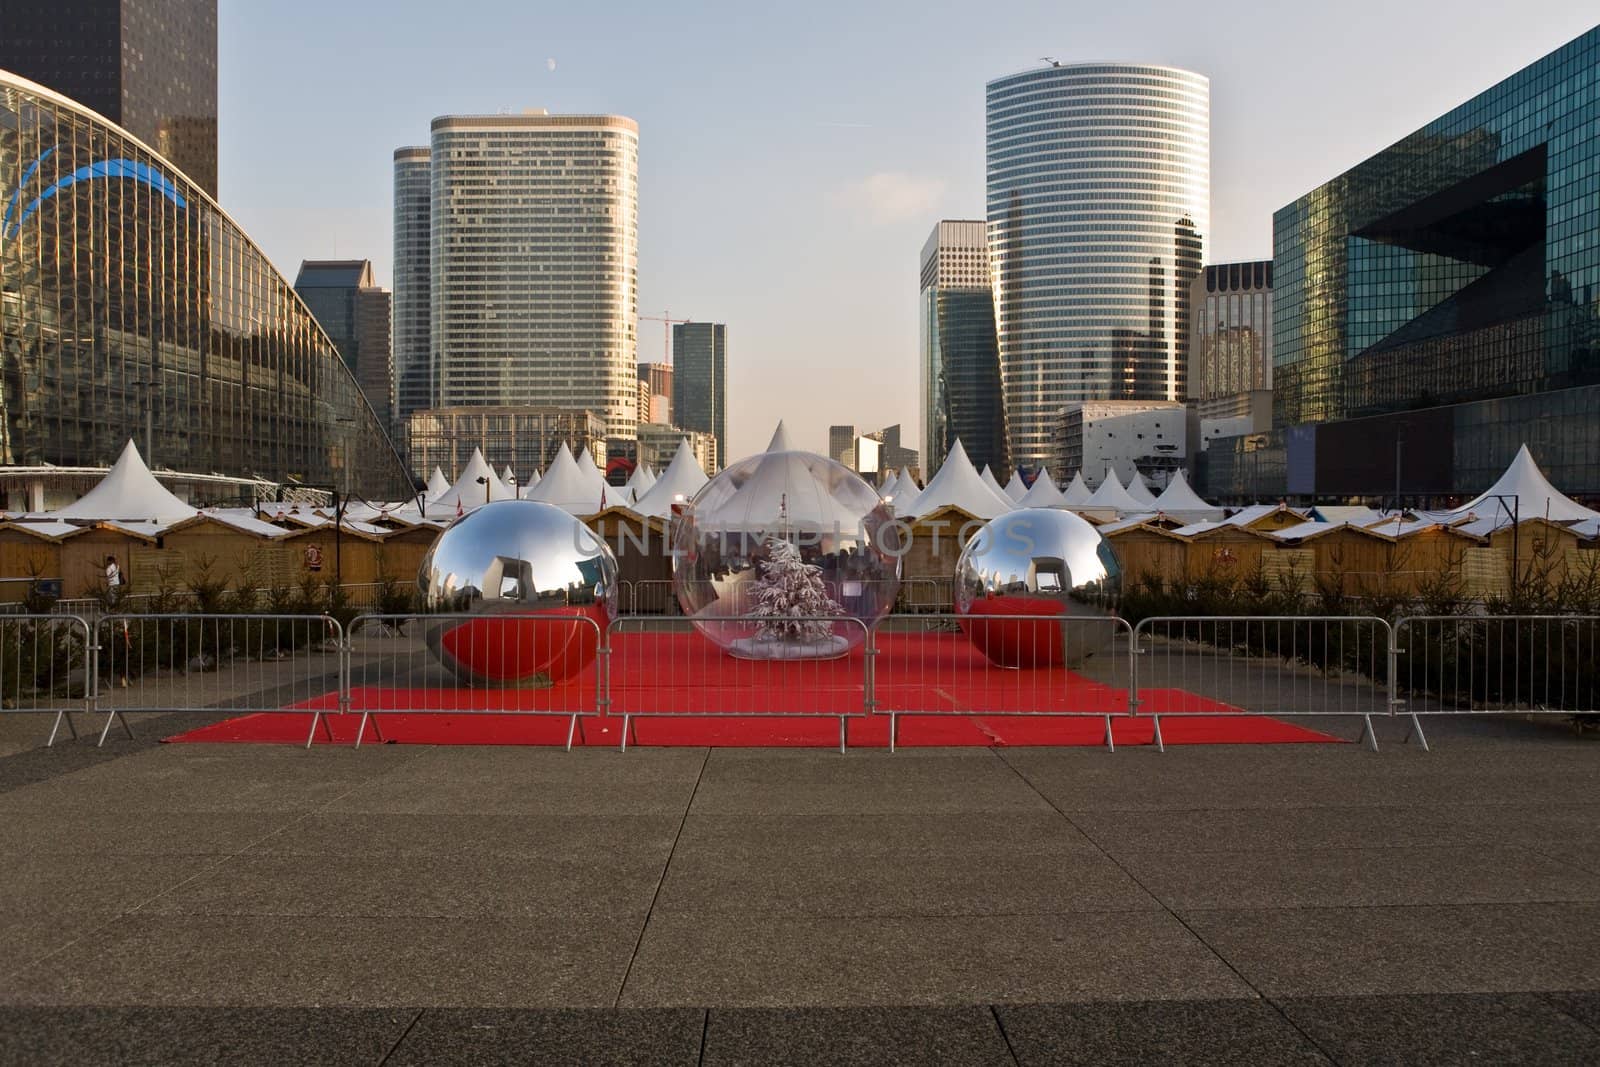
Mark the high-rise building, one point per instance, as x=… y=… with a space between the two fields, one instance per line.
x=841 y=444
x=1098 y=200
x=700 y=379
x=149 y=66
x=413 y=297
x=960 y=360
x=1230 y=344
x=655 y=392
x=1144 y=437
x=1438 y=305
x=133 y=307
x=355 y=313
x=534 y=263
x=658 y=443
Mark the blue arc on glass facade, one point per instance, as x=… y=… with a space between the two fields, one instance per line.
x=131 y=306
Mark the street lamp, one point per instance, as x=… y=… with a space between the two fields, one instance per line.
x=483 y=480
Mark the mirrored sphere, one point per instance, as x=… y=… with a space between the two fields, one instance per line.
x=520 y=567
x=732 y=556
x=1049 y=565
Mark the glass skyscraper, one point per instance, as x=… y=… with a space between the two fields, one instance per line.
x=533 y=263
x=960 y=363
x=150 y=66
x=700 y=380
x=413 y=339
x=1098 y=200
x=131 y=305
x=355 y=313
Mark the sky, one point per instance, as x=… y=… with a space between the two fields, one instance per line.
x=794 y=157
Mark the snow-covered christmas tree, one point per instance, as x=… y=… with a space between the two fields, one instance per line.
x=787 y=598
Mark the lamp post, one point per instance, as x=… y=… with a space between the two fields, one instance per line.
x=146 y=395
x=483 y=480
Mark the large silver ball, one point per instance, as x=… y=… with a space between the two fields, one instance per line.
x=726 y=542
x=521 y=566
x=1046 y=564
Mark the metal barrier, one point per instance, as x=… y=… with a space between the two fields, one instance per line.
x=662 y=668
x=506 y=664
x=1301 y=665
x=1496 y=664
x=250 y=663
x=648 y=596
x=43 y=659
x=948 y=664
x=925 y=596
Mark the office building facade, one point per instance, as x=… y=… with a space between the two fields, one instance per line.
x=1145 y=437
x=1438 y=305
x=658 y=443
x=413 y=286
x=355 y=312
x=655 y=392
x=533 y=263
x=523 y=438
x=1230 y=345
x=148 y=66
x=959 y=364
x=177 y=331
x=1098 y=180
x=700 y=380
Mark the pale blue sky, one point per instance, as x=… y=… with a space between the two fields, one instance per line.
x=794 y=157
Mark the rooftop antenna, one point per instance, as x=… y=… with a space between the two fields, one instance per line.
x=1050 y=60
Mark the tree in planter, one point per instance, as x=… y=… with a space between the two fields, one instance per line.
x=787 y=595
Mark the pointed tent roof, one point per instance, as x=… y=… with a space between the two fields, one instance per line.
x=1043 y=493
x=567 y=487
x=641 y=480
x=591 y=471
x=128 y=491
x=1077 y=493
x=508 y=476
x=959 y=484
x=989 y=480
x=780 y=440
x=1016 y=488
x=1536 y=498
x=682 y=478
x=438 y=484
x=905 y=492
x=1111 y=494
x=907 y=480
x=468 y=491
x=1140 y=491
x=1178 y=498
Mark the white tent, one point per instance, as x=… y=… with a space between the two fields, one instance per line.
x=592 y=473
x=1111 y=494
x=525 y=491
x=780 y=440
x=678 y=483
x=1016 y=488
x=438 y=484
x=567 y=486
x=1043 y=493
x=477 y=485
x=1534 y=496
x=1180 y=500
x=958 y=484
x=128 y=491
x=508 y=476
x=1140 y=491
x=641 y=480
x=1077 y=493
x=993 y=484
x=905 y=492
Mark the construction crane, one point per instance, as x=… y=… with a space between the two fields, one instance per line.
x=667 y=322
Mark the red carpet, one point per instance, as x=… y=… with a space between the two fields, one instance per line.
x=744 y=703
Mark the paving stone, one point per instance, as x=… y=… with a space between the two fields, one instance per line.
x=1226 y=829
x=549 y=1038
x=1585 y=1007
x=1444 y=1029
x=861 y=783
x=1249 y=1033
x=239 y=1036
x=123 y=832
x=472 y=836
x=889 y=1036
x=1425 y=949
x=771 y=961
x=1348 y=877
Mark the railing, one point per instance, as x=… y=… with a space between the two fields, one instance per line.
x=470 y=664
x=657 y=668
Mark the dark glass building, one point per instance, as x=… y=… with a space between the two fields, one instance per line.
x=1439 y=304
x=130 y=304
x=354 y=312
x=150 y=66
x=959 y=362
x=700 y=380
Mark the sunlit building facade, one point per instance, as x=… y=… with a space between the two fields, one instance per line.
x=413 y=287
x=959 y=364
x=1230 y=347
x=1098 y=203
x=132 y=307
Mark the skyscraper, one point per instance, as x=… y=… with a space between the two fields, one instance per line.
x=1098 y=200
x=354 y=312
x=700 y=380
x=413 y=212
x=1230 y=348
x=960 y=363
x=149 y=66
x=534 y=263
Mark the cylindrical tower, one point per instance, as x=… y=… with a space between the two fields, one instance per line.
x=1098 y=199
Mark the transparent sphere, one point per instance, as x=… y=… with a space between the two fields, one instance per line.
x=519 y=566
x=1049 y=565
x=780 y=535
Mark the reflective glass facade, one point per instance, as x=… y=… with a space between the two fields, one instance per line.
x=533 y=249
x=131 y=306
x=413 y=289
x=959 y=364
x=1230 y=352
x=1098 y=200
x=700 y=381
x=150 y=66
